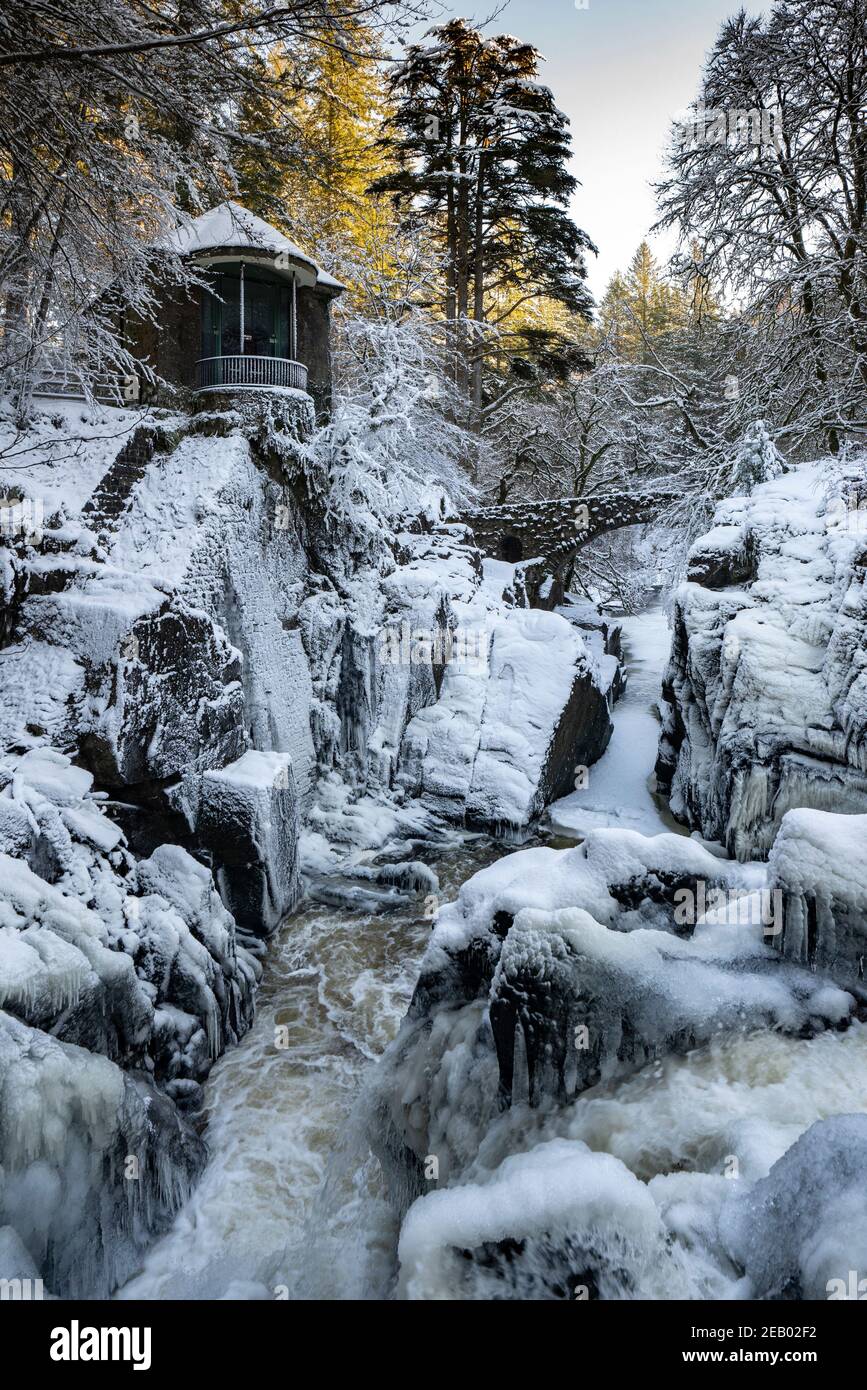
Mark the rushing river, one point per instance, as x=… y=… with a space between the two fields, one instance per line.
x=340 y=981
x=289 y=1205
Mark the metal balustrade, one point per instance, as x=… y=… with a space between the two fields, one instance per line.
x=63 y=379
x=246 y=369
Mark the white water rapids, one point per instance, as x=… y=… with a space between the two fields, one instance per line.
x=290 y=1203
x=341 y=981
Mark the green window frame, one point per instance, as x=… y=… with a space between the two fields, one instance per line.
x=221 y=312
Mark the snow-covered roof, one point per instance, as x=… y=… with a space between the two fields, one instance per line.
x=328 y=282
x=231 y=225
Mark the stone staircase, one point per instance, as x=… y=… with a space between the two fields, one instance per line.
x=109 y=501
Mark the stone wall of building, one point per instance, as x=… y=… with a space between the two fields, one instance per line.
x=174 y=346
x=314 y=345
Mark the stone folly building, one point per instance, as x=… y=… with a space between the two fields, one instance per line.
x=261 y=322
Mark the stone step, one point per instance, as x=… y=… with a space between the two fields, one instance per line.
x=111 y=496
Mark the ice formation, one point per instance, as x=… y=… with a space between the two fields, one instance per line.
x=819 y=863
x=765 y=704
x=560 y=978
x=801 y=1230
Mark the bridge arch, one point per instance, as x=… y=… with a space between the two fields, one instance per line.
x=546 y=537
x=511 y=548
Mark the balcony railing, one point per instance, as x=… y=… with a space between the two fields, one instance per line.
x=245 y=369
x=63 y=378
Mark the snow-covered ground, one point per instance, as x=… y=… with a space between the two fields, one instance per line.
x=67 y=449
x=618 y=787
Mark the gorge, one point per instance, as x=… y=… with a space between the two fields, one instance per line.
x=331 y=973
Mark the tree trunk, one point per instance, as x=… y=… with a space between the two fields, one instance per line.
x=479 y=296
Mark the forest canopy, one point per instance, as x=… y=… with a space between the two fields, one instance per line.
x=433 y=170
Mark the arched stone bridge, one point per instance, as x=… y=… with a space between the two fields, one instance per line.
x=545 y=537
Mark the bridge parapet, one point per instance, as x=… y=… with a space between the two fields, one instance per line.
x=555 y=531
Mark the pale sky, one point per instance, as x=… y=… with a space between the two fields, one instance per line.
x=622 y=70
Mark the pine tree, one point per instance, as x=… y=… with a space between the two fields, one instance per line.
x=311 y=174
x=643 y=288
x=339 y=122
x=641 y=305
x=758 y=459
x=614 y=315
x=481 y=151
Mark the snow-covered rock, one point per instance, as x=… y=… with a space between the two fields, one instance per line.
x=377 y=649
x=93 y=1163
x=169 y=646
x=134 y=959
x=523 y=707
x=555 y=976
x=430 y=686
x=121 y=981
x=247 y=814
x=801 y=1233
x=819 y=864
x=559 y=1221
x=765 y=704
x=168 y=704
x=211 y=523
x=556 y=1222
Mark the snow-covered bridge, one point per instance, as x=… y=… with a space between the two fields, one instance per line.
x=553 y=532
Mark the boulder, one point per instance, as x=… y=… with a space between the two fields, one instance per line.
x=246 y=814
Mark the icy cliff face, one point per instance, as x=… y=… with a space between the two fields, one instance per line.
x=96 y=1160
x=121 y=981
x=152 y=636
x=555 y=982
x=376 y=642
x=766 y=695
